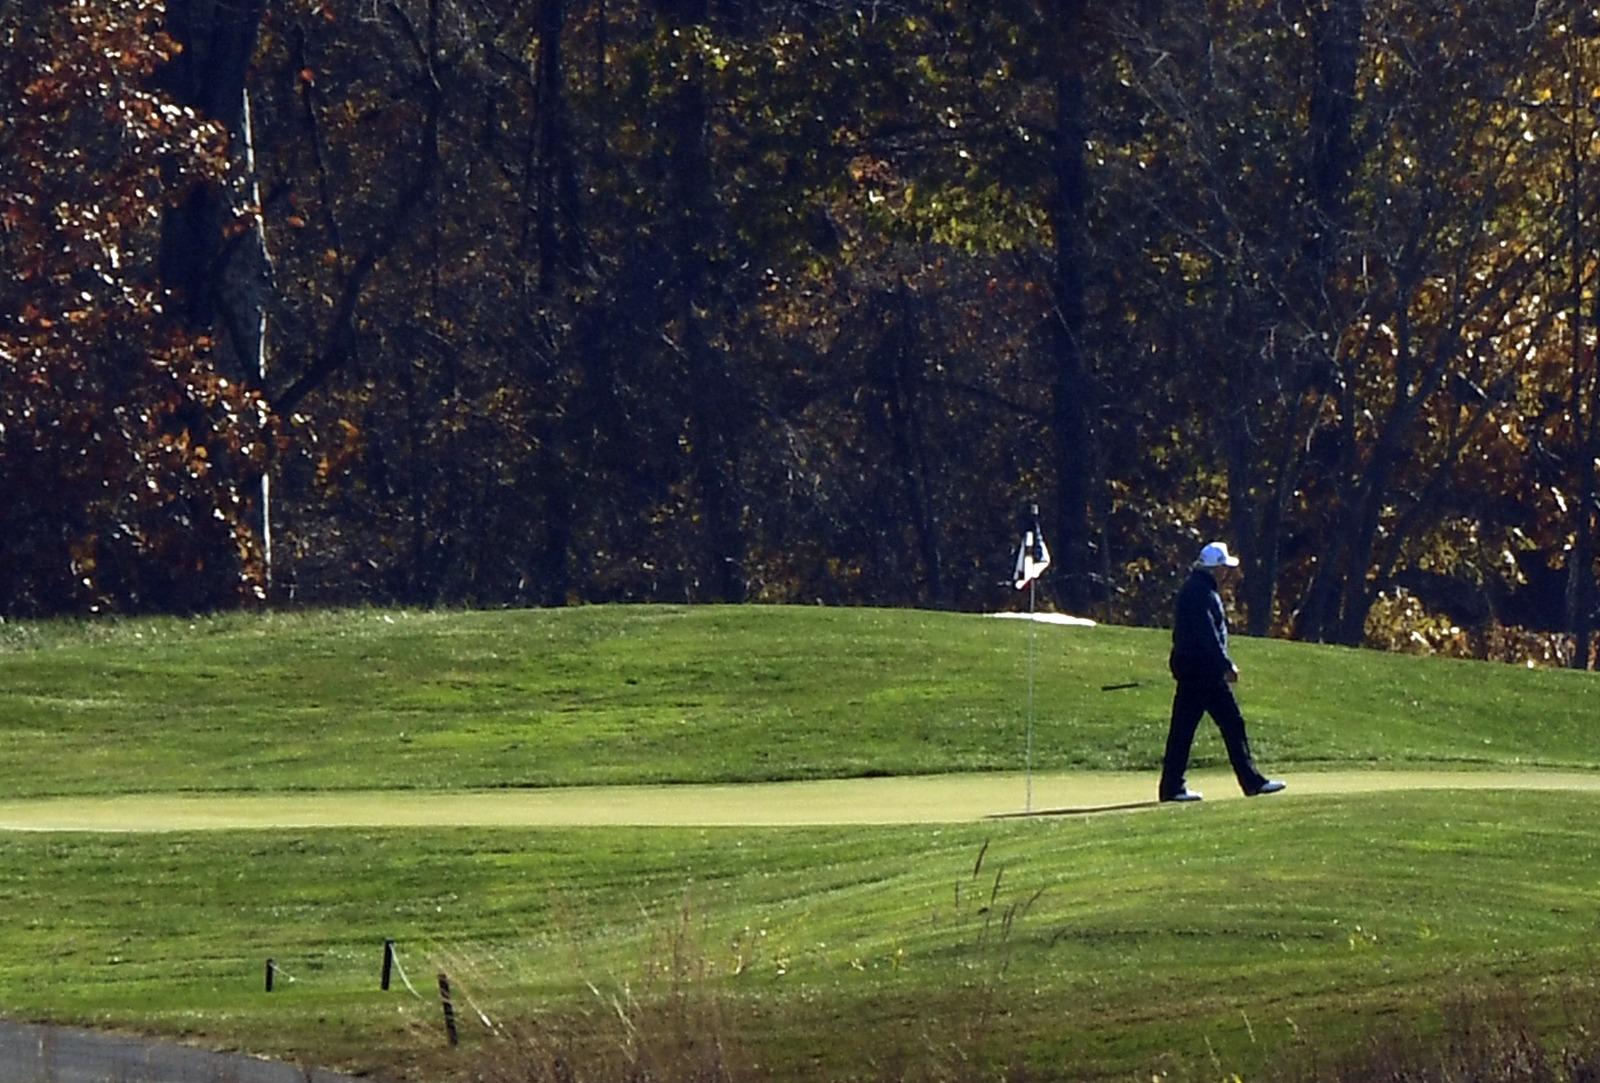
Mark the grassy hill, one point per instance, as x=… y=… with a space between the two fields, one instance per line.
x=1198 y=942
x=1098 y=947
x=376 y=699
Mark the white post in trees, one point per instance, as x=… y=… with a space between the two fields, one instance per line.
x=260 y=336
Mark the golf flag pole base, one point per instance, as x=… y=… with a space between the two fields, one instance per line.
x=1033 y=636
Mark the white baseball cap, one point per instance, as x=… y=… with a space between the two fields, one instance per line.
x=1216 y=555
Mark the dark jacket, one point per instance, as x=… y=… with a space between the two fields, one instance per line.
x=1199 y=630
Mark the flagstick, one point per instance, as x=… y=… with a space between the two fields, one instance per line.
x=1033 y=633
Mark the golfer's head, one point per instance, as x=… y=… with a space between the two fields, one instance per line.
x=1215 y=558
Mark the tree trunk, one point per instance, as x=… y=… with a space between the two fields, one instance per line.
x=712 y=425
x=1072 y=403
x=1356 y=599
x=218 y=40
x=894 y=371
x=1336 y=36
x=221 y=287
x=1580 y=560
x=555 y=262
x=1414 y=385
x=553 y=145
x=1260 y=533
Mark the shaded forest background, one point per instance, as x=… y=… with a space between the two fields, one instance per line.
x=512 y=302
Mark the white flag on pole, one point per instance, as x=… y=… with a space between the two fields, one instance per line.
x=1033 y=557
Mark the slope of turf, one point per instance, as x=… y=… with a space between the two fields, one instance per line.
x=1197 y=939
x=438 y=700
x=1082 y=946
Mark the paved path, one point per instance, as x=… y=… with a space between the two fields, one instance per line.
x=922 y=799
x=35 y=1054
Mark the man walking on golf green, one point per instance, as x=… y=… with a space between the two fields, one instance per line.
x=1204 y=670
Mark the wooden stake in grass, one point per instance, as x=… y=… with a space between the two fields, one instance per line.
x=388 y=964
x=271 y=966
x=449 y=1010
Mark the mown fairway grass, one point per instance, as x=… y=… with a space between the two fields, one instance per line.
x=1154 y=934
x=1203 y=940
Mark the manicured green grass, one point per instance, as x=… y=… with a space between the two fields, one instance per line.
x=373 y=699
x=1103 y=945
x=1203 y=940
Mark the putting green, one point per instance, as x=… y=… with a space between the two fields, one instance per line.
x=922 y=799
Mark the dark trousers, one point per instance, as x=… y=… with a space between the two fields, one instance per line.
x=1208 y=695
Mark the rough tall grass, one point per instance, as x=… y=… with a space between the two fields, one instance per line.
x=678 y=1029
x=672 y=1027
x=1485 y=1036
x=674 y=1021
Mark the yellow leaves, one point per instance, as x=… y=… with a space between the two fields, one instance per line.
x=347 y=449
x=82 y=551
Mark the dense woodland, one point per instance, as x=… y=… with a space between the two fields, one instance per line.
x=538 y=302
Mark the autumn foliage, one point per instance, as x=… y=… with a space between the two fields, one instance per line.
x=557 y=301
x=124 y=454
